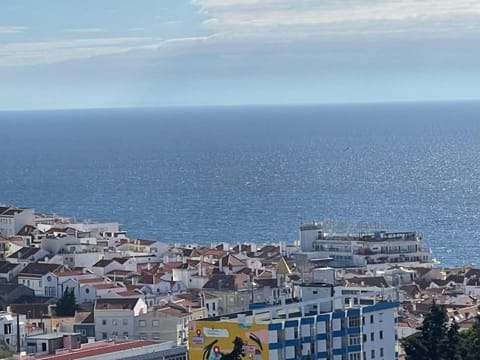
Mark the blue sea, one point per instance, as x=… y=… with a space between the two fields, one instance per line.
x=211 y=174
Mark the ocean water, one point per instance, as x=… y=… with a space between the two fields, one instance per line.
x=205 y=175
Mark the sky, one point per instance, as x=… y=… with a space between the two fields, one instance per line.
x=58 y=54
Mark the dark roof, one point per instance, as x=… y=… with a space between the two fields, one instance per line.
x=266 y=282
x=220 y=282
x=378 y=281
x=32 y=310
x=121 y=260
x=109 y=304
x=39 y=269
x=25 y=253
x=231 y=260
x=102 y=263
x=11 y=211
x=411 y=289
x=26 y=230
x=473 y=273
x=6 y=267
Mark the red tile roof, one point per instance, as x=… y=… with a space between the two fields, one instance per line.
x=100 y=348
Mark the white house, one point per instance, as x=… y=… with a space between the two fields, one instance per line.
x=13 y=219
x=115 y=318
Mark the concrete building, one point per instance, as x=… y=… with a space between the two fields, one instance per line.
x=364 y=248
x=320 y=326
x=47 y=344
x=167 y=322
x=115 y=318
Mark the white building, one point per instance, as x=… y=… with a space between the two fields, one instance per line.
x=8 y=329
x=320 y=326
x=13 y=219
x=115 y=318
x=364 y=248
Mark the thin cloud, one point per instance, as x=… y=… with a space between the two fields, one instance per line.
x=85 y=30
x=12 y=29
x=136 y=29
x=284 y=19
x=34 y=53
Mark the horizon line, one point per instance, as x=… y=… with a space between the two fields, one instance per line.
x=246 y=105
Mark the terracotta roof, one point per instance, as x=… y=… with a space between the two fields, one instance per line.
x=104 y=286
x=172 y=265
x=90 y=281
x=144 y=242
x=68 y=273
x=174 y=310
x=104 y=347
x=130 y=293
x=84 y=317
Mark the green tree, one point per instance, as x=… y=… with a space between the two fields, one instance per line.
x=471 y=342
x=438 y=339
x=67 y=305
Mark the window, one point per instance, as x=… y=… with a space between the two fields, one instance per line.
x=363 y=320
x=44 y=346
x=354 y=356
x=380 y=317
x=125 y=334
x=371 y=319
x=114 y=322
x=213 y=306
x=354 y=321
x=142 y=323
x=364 y=338
x=125 y=321
x=372 y=336
x=381 y=352
x=354 y=340
x=104 y=322
x=373 y=354
x=381 y=334
x=84 y=332
x=155 y=323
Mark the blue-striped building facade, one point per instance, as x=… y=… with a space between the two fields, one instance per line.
x=358 y=333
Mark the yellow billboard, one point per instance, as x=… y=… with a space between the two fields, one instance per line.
x=220 y=340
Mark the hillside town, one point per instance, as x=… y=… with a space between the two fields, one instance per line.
x=79 y=290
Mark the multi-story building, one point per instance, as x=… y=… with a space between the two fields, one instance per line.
x=13 y=219
x=364 y=248
x=115 y=318
x=320 y=326
x=167 y=322
x=8 y=329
